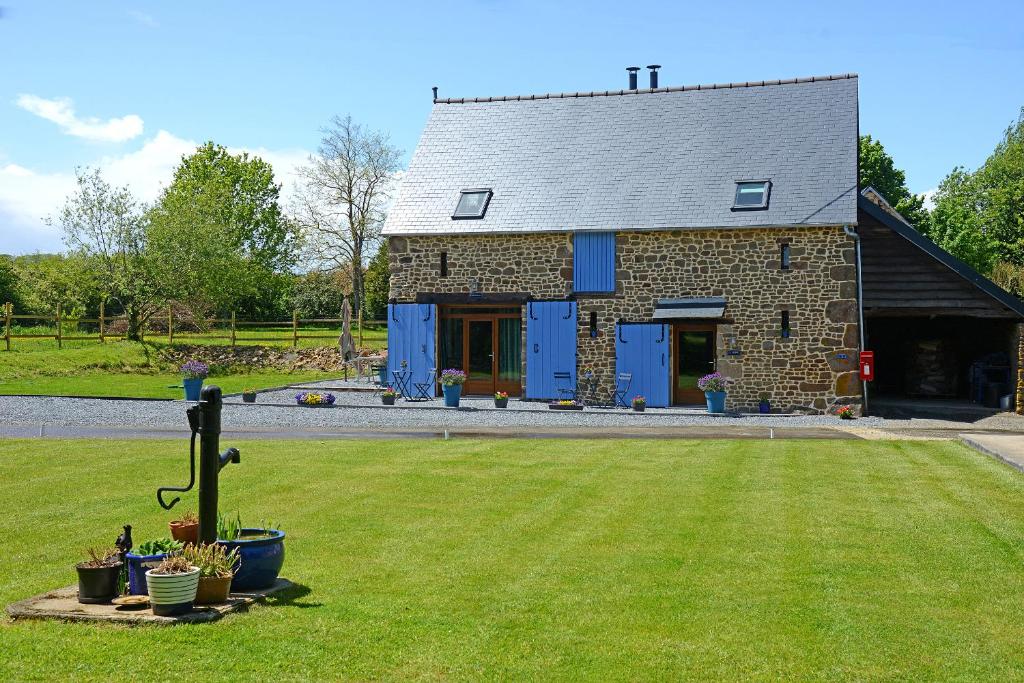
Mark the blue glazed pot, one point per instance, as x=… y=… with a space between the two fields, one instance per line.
x=261 y=559
x=764 y=407
x=138 y=565
x=452 y=393
x=716 y=401
x=192 y=388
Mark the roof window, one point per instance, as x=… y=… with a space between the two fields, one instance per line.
x=472 y=204
x=752 y=194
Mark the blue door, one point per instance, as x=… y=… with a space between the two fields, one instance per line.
x=550 y=346
x=642 y=349
x=411 y=338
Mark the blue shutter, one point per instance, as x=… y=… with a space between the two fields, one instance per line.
x=411 y=338
x=550 y=346
x=642 y=349
x=593 y=262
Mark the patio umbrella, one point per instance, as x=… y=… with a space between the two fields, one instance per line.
x=345 y=342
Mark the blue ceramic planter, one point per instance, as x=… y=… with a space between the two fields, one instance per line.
x=261 y=559
x=138 y=565
x=764 y=407
x=452 y=393
x=192 y=388
x=716 y=401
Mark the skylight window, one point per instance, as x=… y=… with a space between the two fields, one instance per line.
x=472 y=204
x=752 y=194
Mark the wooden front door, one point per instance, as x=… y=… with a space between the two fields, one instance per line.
x=694 y=357
x=485 y=343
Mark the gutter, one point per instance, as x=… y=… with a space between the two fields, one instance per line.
x=852 y=234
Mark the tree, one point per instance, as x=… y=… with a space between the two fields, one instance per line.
x=218 y=230
x=878 y=170
x=9 y=289
x=320 y=294
x=341 y=203
x=106 y=227
x=979 y=216
x=377 y=283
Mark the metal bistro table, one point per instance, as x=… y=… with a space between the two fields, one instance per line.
x=588 y=384
x=402 y=378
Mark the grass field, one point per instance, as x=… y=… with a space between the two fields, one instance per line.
x=122 y=368
x=514 y=560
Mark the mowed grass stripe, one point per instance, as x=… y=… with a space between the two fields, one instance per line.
x=554 y=559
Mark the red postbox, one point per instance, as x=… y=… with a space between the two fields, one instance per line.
x=867 y=366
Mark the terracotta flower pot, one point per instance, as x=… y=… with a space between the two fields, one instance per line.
x=213 y=590
x=186 y=532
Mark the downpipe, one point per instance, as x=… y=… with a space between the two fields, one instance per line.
x=852 y=234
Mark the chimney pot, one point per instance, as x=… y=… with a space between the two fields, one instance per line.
x=435 y=92
x=654 y=74
x=632 y=76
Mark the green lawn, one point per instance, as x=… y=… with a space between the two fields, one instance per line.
x=603 y=560
x=117 y=368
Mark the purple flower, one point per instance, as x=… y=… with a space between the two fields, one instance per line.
x=714 y=382
x=195 y=369
x=452 y=377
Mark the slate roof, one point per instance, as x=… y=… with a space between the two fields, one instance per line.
x=637 y=160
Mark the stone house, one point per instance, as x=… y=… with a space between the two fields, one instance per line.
x=660 y=232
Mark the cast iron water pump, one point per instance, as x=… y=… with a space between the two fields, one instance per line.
x=204 y=420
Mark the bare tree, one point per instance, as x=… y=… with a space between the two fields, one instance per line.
x=341 y=202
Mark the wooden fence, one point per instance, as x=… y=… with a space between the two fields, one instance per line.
x=228 y=331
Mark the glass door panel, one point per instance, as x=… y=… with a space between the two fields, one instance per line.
x=480 y=356
x=509 y=353
x=695 y=357
x=450 y=344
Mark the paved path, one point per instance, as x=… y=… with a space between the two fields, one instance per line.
x=1006 y=447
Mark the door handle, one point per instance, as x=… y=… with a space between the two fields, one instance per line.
x=662 y=360
x=536 y=348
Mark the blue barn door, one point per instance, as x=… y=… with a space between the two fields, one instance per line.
x=550 y=346
x=411 y=338
x=642 y=349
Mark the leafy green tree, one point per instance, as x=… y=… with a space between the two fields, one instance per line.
x=377 y=283
x=320 y=294
x=106 y=227
x=878 y=170
x=979 y=216
x=9 y=286
x=71 y=280
x=218 y=232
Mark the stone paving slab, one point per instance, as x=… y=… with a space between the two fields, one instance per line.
x=63 y=605
x=1006 y=447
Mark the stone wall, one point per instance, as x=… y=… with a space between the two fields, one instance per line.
x=1020 y=368
x=807 y=371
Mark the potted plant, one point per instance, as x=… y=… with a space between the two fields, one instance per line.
x=388 y=396
x=147 y=556
x=845 y=413
x=501 y=399
x=216 y=569
x=98 y=576
x=314 y=399
x=186 y=529
x=194 y=372
x=249 y=395
x=714 y=387
x=451 y=384
x=639 y=404
x=172 y=586
x=764 y=405
x=260 y=552
x=565 y=404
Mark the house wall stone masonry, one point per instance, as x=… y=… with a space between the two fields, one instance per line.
x=815 y=368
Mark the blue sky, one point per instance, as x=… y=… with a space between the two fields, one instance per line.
x=131 y=86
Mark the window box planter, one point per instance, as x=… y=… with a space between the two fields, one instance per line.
x=565 y=406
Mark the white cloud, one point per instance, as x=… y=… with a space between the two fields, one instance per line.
x=143 y=18
x=61 y=111
x=27 y=196
x=929 y=198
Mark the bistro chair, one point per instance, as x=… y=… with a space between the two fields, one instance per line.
x=425 y=391
x=621 y=388
x=564 y=386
